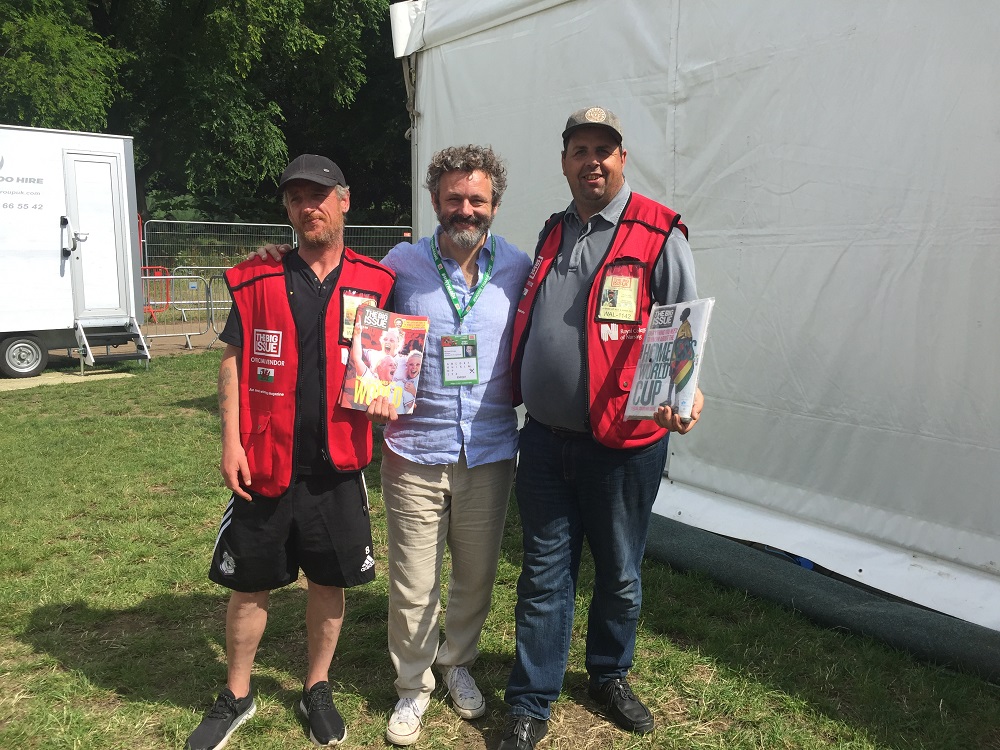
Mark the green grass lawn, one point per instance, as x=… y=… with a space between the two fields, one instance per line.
x=111 y=636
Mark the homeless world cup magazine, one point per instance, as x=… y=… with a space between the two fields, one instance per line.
x=387 y=352
x=672 y=351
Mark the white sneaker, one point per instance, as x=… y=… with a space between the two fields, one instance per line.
x=465 y=696
x=404 y=724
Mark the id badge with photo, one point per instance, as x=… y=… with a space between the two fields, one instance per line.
x=350 y=301
x=619 y=300
x=460 y=360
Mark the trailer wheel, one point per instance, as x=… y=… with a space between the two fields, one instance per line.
x=22 y=356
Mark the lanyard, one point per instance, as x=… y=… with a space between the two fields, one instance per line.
x=450 y=288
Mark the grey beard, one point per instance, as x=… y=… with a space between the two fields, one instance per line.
x=323 y=240
x=467 y=239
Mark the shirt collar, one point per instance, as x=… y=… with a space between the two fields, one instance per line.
x=610 y=213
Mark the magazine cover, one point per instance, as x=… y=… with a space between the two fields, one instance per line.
x=672 y=349
x=387 y=353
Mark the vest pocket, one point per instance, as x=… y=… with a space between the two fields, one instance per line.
x=258 y=443
x=625 y=376
x=622 y=378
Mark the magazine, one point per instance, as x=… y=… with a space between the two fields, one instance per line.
x=387 y=353
x=672 y=351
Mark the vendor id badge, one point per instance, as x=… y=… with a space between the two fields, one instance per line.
x=460 y=360
x=619 y=301
x=351 y=300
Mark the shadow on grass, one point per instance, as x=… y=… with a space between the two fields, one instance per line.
x=887 y=694
x=170 y=648
x=208 y=404
x=763 y=650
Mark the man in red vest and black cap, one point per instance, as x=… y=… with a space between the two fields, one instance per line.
x=290 y=454
x=584 y=472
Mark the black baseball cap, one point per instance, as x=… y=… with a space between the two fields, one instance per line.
x=314 y=168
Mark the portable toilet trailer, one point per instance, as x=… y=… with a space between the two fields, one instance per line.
x=69 y=248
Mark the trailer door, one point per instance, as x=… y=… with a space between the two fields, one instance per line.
x=97 y=238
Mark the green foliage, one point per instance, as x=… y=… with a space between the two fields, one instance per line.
x=165 y=205
x=55 y=72
x=213 y=91
x=366 y=137
x=204 y=120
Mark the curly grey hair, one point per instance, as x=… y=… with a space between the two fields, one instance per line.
x=467 y=159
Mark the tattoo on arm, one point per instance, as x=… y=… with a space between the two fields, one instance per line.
x=225 y=378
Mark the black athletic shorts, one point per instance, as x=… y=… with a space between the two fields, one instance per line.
x=320 y=525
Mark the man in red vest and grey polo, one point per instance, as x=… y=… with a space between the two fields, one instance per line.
x=583 y=471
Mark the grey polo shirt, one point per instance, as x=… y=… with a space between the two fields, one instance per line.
x=552 y=371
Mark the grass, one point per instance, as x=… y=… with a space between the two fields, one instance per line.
x=111 y=635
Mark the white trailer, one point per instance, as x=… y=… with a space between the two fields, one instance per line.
x=69 y=248
x=838 y=165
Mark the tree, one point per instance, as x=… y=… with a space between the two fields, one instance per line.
x=366 y=137
x=198 y=87
x=213 y=91
x=54 y=71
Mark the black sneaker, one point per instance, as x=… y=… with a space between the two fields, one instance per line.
x=326 y=727
x=523 y=732
x=623 y=708
x=222 y=719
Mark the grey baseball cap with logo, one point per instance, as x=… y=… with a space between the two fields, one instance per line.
x=313 y=168
x=589 y=116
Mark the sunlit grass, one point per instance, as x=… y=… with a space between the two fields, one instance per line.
x=111 y=636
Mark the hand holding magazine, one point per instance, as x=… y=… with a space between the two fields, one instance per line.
x=670 y=361
x=387 y=351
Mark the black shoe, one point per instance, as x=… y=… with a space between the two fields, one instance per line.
x=522 y=732
x=326 y=727
x=623 y=708
x=222 y=719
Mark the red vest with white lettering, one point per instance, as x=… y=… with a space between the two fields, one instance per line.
x=269 y=369
x=612 y=348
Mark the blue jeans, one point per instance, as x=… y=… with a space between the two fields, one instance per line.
x=568 y=489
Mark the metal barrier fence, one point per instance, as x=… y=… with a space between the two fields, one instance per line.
x=218 y=291
x=375 y=241
x=211 y=244
x=221 y=303
x=177 y=306
x=183 y=263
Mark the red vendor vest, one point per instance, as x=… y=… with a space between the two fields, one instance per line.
x=269 y=367
x=611 y=347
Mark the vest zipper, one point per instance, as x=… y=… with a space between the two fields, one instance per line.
x=324 y=416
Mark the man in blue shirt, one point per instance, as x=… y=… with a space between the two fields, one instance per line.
x=447 y=468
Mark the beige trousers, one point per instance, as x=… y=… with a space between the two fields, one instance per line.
x=427 y=507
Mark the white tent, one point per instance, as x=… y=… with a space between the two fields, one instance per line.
x=838 y=165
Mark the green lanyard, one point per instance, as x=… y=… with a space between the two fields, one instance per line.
x=449 y=287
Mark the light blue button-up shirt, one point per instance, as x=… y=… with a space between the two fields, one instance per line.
x=446 y=419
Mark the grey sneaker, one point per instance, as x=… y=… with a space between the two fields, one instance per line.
x=225 y=716
x=465 y=696
x=404 y=724
x=326 y=727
